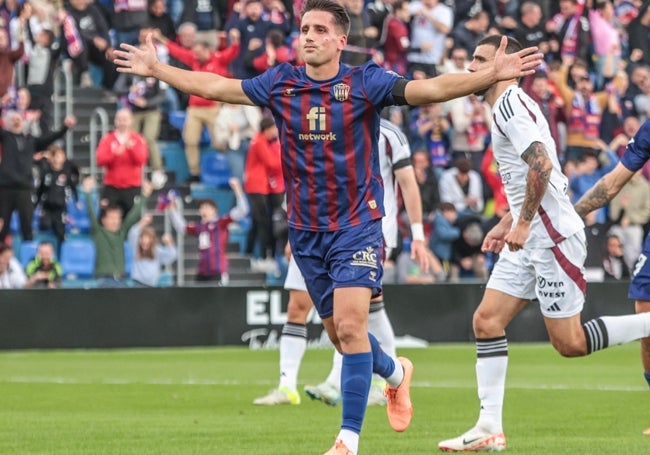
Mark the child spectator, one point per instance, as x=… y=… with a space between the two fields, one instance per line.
x=12 y=275
x=109 y=235
x=149 y=255
x=43 y=60
x=444 y=233
x=212 y=232
x=44 y=271
x=58 y=183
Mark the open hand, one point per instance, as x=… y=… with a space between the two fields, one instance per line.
x=519 y=64
x=140 y=61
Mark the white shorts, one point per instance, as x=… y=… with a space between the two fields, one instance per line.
x=554 y=276
x=294 y=280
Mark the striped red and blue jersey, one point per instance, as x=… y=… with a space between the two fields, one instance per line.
x=213 y=237
x=329 y=132
x=637 y=152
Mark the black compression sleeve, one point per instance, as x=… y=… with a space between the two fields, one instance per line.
x=399 y=92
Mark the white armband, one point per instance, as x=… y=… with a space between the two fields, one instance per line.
x=417 y=231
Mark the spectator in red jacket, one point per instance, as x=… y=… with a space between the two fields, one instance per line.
x=123 y=154
x=264 y=186
x=200 y=112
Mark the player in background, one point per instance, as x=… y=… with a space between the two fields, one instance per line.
x=328 y=119
x=637 y=154
x=395 y=165
x=543 y=260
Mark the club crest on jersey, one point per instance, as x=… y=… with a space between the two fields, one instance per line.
x=341 y=92
x=372 y=204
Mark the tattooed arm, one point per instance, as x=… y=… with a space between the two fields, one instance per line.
x=539 y=173
x=604 y=190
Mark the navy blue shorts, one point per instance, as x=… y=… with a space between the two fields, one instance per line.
x=350 y=257
x=640 y=286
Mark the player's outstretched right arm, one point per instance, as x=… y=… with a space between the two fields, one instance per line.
x=449 y=86
x=604 y=190
x=144 y=62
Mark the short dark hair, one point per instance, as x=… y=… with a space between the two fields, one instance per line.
x=209 y=202
x=266 y=123
x=446 y=207
x=495 y=41
x=50 y=35
x=590 y=153
x=464 y=165
x=275 y=36
x=111 y=207
x=340 y=15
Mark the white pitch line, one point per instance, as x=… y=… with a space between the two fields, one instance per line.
x=212 y=382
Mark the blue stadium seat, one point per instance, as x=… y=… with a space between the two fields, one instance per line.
x=128 y=258
x=78 y=220
x=78 y=257
x=215 y=169
x=14 y=223
x=177 y=120
x=27 y=251
x=173 y=155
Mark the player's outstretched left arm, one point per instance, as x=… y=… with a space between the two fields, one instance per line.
x=413 y=202
x=144 y=62
x=539 y=174
x=449 y=86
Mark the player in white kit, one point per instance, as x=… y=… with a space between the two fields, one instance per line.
x=542 y=249
x=395 y=164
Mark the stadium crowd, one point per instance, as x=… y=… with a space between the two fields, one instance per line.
x=593 y=87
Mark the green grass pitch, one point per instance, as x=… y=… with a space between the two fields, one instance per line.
x=199 y=401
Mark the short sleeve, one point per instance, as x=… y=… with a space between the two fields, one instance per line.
x=258 y=89
x=378 y=84
x=637 y=151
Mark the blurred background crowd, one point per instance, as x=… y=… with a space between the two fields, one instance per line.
x=168 y=189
